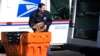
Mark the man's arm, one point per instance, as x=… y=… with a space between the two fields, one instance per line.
x=31 y=21
x=49 y=19
x=35 y=26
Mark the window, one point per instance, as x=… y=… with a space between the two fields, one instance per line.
x=59 y=9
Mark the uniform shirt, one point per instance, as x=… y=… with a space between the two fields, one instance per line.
x=37 y=17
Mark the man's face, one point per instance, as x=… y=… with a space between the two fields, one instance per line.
x=42 y=8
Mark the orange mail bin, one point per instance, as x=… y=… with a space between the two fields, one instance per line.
x=11 y=50
x=36 y=44
x=38 y=37
x=31 y=44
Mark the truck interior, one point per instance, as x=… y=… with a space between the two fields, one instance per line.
x=87 y=19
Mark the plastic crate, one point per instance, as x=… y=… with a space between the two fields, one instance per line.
x=31 y=44
x=38 y=37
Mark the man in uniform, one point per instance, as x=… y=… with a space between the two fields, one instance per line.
x=42 y=19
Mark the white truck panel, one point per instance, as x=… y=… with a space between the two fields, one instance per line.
x=9 y=21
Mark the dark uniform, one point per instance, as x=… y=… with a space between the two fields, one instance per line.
x=37 y=17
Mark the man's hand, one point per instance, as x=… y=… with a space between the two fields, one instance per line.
x=45 y=27
x=33 y=27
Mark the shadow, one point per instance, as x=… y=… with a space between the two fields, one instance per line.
x=2 y=50
x=57 y=49
x=93 y=51
x=72 y=47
